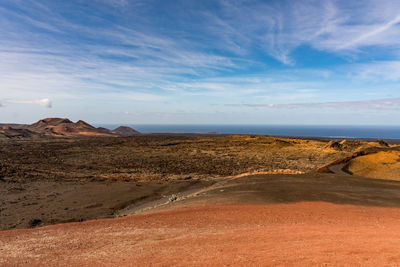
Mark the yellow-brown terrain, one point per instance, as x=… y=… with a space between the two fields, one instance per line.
x=380 y=165
x=195 y=200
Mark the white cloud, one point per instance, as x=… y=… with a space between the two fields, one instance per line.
x=45 y=102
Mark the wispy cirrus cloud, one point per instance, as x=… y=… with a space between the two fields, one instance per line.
x=377 y=71
x=116 y=3
x=376 y=104
x=369 y=34
x=280 y=27
x=137 y=62
x=107 y=53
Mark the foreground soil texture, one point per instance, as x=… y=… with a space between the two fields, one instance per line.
x=42 y=202
x=261 y=220
x=48 y=181
x=300 y=234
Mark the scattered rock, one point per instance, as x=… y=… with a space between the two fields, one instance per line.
x=383 y=143
x=335 y=145
x=34 y=222
x=97 y=205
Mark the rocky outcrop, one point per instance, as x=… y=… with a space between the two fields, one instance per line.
x=334 y=145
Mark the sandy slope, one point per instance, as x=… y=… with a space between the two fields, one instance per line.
x=381 y=165
x=302 y=234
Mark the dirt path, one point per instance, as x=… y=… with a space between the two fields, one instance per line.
x=301 y=234
x=219 y=183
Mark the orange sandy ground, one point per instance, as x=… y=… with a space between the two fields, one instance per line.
x=301 y=234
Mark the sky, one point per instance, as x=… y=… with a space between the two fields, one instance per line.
x=306 y=62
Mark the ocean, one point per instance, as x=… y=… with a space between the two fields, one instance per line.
x=384 y=132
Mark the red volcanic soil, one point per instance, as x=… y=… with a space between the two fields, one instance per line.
x=297 y=234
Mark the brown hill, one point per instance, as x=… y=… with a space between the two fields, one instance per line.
x=125 y=131
x=105 y=130
x=66 y=128
x=15 y=125
x=60 y=127
x=10 y=132
x=42 y=124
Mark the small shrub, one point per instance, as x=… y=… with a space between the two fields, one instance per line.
x=173 y=198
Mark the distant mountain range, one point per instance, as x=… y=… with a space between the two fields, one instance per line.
x=60 y=127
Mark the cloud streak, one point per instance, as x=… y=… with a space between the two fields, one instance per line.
x=280 y=27
x=373 y=32
x=156 y=54
x=45 y=102
x=378 y=104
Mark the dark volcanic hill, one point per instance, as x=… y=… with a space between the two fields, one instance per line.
x=104 y=130
x=10 y=132
x=125 y=131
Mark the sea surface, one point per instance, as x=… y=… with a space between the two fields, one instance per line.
x=384 y=132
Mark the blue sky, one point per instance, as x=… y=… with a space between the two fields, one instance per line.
x=196 y=62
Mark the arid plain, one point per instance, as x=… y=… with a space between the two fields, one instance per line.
x=194 y=199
